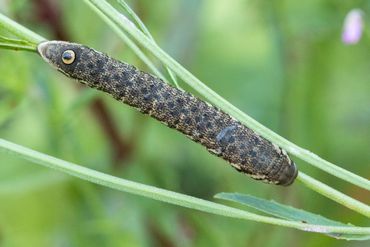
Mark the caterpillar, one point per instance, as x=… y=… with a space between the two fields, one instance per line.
x=221 y=134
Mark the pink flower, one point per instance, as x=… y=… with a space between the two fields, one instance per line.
x=353 y=26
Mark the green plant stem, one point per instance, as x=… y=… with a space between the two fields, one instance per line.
x=133 y=47
x=147 y=33
x=17 y=47
x=19 y=30
x=121 y=21
x=308 y=181
x=136 y=19
x=161 y=194
x=334 y=195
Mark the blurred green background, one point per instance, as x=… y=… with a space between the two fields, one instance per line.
x=282 y=62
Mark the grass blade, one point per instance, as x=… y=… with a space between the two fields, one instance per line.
x=164 y=195
x=145 y=30
x=19 y=30
x=287 y=212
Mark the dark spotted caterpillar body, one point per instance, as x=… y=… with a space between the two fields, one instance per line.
x=222 y=135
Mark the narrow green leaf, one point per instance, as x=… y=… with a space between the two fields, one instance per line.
x=145 y=30
x=17 y=47
x=16 y=44
x=19 y=30
x=165 y=195
x=14 y=41
x=289 y=213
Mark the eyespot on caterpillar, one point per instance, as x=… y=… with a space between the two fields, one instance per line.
x=68 y=57
x=221 y=134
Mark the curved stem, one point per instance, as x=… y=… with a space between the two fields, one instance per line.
x=145 y=30
x=164 y=195
x=333 y=194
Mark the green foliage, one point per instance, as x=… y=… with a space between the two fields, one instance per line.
x=320 y=225
x=289 y=72
x=289 y=213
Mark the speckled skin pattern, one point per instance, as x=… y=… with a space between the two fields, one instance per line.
x=222 y=135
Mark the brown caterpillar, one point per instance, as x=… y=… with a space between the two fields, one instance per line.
x=222 y=135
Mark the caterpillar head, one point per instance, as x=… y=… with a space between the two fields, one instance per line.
x=64 y=56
